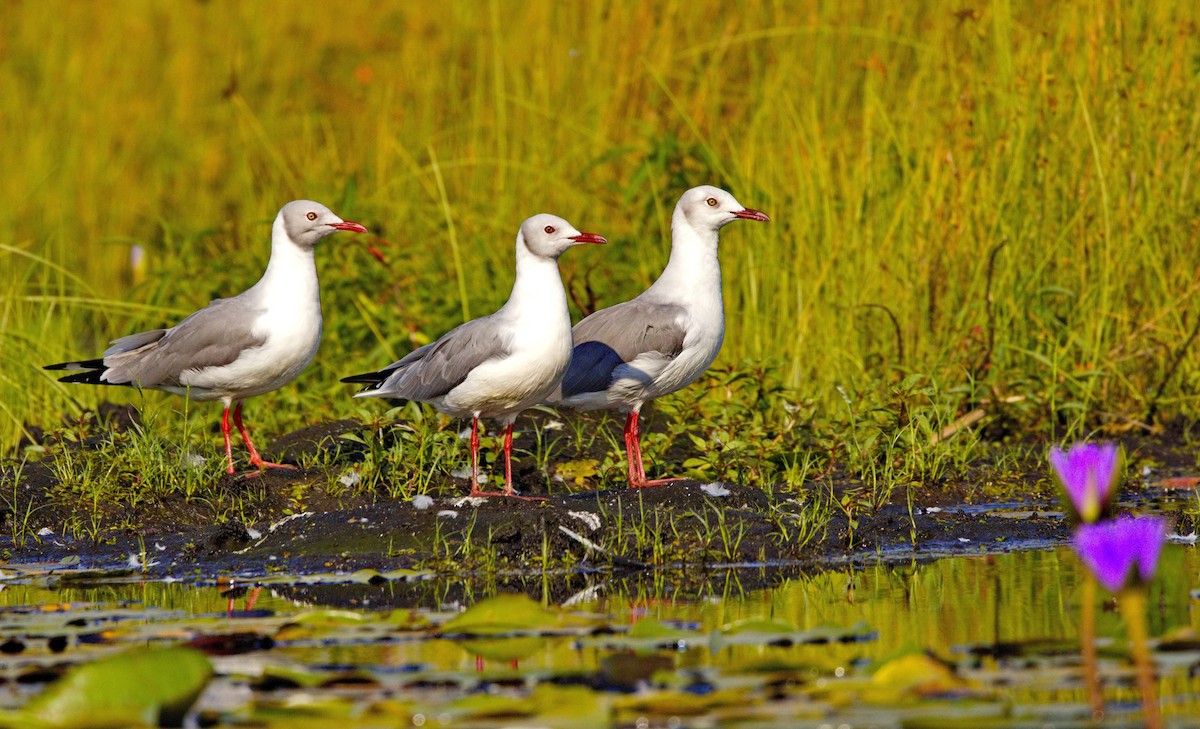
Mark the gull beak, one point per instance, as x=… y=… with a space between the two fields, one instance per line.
x=348 y=225
x=749 y=214
x=589 y=238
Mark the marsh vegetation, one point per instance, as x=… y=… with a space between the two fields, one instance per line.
x=984 y=229
x=983 y=242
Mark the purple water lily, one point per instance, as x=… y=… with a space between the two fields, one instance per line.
x=1088 y=473
x=1121 y=551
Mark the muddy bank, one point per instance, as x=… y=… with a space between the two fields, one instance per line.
x=689 y=528
x=682 y=527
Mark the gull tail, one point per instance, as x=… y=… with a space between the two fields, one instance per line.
x=88 y=372
x=372 y=380
x=91 y=364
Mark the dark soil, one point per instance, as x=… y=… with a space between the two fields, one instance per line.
x=679 y=528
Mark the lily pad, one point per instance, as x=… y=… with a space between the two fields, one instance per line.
x=682 y=703
x=504 y=614
x=506 y=649
x=570 y=706
x=913 y=675
x=154 y=687
x=487 y=706
x=359 y=577
x=779 y=633
x=648 y=634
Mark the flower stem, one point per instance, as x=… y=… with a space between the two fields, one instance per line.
x=1087 y=639
x=1132 y=602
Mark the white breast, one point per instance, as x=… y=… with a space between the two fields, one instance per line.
x=540 y=351
x=289 y=325
x=705 y=334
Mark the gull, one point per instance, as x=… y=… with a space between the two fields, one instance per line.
x=235 y=348
x=498 y=365
x=663 y=340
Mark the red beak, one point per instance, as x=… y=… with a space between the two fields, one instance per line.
x=749 y=214
x=589 y=238
x=348 y=225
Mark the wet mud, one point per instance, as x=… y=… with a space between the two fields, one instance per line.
x=694 y=531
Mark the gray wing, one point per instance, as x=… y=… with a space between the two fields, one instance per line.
x=436 y=369
x=619 y=334
x=212 y=337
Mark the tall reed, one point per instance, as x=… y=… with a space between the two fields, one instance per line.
x=999 y=197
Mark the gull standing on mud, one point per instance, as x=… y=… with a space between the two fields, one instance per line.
x=232 y=349
x=498 y=365
x=663 y=340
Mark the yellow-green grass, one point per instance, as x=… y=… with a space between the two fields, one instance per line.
x=999 y=197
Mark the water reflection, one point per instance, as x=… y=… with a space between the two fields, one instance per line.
x=1007 y=622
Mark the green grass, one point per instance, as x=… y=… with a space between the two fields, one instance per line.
x=985 y=208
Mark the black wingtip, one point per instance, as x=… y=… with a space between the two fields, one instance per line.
x=91 y=364
x=91 y=377
x=90 y=372
x=368 y=378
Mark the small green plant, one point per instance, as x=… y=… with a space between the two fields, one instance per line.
x=22 y=507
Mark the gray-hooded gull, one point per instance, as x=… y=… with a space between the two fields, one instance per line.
x=663 y=340
x=498 y=365
x=235 y=348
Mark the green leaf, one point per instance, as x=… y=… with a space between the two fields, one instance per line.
x=651 y=628
x=503 y=614
x=913 y=674
x=484 y=706
x=764 y=631
x=140 y=686
x=570 y=706
x=330 y=617
x=506 y=649
x=759 y=626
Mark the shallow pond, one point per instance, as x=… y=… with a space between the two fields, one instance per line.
x=729 y=648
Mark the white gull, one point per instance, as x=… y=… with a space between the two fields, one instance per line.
x=498 y=365
x=235 y=348
x=663 y=340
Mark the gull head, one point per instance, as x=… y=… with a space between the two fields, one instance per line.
x=708 y=207
x=549 y=236
x=307 y=222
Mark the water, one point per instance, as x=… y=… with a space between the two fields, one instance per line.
x=1005 y=626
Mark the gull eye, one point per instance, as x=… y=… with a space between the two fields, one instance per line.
x=712 y=202
x=311 y=216
x=549 y=229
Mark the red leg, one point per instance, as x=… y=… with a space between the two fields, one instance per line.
x=508 y=484
x=635 y=435
x=634 y=429
x=228 y=445
x=508 y=489
x=631 y=448
x=255 y=459
x=253 y=598
x=475 y=457
x=637 y=447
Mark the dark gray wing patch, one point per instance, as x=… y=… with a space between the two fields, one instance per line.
x=617 y=335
